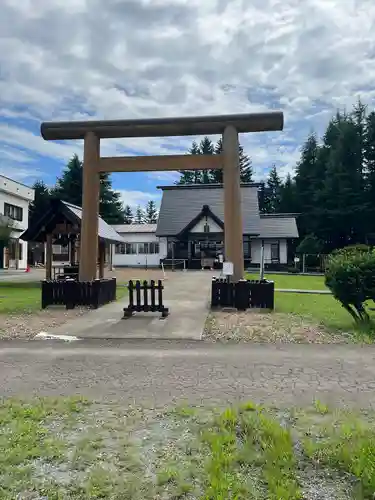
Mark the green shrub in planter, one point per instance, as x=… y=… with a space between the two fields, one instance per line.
x=350 y=275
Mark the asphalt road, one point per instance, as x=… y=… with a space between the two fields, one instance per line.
x=155 y=373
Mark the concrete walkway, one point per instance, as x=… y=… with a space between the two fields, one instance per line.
x=187 y=295
x=155 y=373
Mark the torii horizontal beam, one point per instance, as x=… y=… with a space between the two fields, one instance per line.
x=159 y=163
x=164 y=127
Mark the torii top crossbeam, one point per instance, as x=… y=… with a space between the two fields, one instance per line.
x=164 y=127
x=228 y=125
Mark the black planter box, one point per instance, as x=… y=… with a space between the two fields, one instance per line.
x=71 y=293
x=245 y=294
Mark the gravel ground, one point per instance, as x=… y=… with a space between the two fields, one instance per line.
x=267 y=327
x=220 y=326
x=27 y=325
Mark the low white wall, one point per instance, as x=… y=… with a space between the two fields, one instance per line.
x=151 y=260
x=140 y=259
x=256 y=251
x=22 y=263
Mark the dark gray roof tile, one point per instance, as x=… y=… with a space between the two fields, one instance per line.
x=181 y=204
x=105 y=231
x=278 y=226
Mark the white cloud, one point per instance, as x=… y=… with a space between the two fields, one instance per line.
x=74 y=59
x=20 y=173
x=135 y=198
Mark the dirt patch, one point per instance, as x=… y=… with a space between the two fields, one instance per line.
x=253 y=326
x=27 y=325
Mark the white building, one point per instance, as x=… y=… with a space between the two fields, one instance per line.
x=15 y=199
x=190 y=229
x=141 y=248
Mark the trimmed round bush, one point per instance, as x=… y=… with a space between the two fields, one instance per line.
x=350 y=275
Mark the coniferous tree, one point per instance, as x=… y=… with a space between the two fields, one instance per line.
x=128 y=215
x=190 y=176
x=41 y=203
x=262 y=199
x=139 y=216
x=306 y=170
x=69 y=185
x=342 y=195
x=246 y=169
x=206 y=147
x=69 y=188
x=273 y=192
x=369 y=176
x=214 y=176
x=151 y=215
x=288 y=201
x=110 y=206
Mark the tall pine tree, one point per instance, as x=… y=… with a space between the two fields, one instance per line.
x=151 y=215
x=246 y=169
x=69 y=188
x=206 y=147
x=110 y=206
x=288 y=198
x=272 y=199
x=128 y=215
x=41 y=203
x=369 y=176
x=69 y=185
x=191 y=176
x=215 y=176
x=341 y=198
x=139 y=216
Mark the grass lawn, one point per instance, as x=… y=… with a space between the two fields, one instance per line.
x=293 y=281
x=323 y=309
x=72 y=449
x=20 y=297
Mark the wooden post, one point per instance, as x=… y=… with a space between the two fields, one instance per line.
x=172 y=255
x=233 y=230
x=72 y=245
x=261 y=274
x=77 y=248
x=110 y=257
x=90 y=209
x=17 y=252
x=101 y=259
x=49 y=257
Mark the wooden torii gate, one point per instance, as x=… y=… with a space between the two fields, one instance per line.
x=93 y=164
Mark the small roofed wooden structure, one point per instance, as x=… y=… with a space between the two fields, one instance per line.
x=61 y=224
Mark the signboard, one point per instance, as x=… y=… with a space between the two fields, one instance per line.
x=228 y=268
x=296 y=259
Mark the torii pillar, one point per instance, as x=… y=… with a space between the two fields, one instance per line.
x=233 y=230
x=90 y=208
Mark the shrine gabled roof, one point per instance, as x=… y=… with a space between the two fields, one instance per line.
x=71 y=213
x=182 y=204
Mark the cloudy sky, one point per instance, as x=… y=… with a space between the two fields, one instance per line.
x=87 y=59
